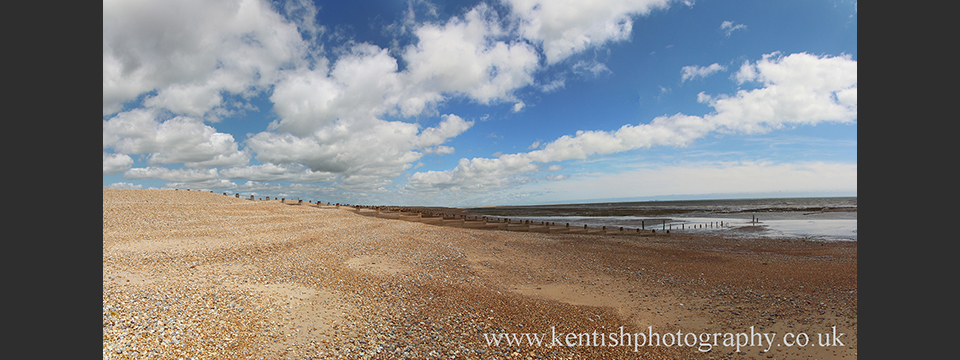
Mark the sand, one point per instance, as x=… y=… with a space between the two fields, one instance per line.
x=188 y=274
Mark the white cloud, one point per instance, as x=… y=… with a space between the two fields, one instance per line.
x=439 y=150
x=553 y=85
x=204 y=185
x=274 y=172
x=703 y=98
x=472 y=55
x=568 y=27
x=693 y=71
x=190 y=51
x=363 y=84
x=179 y=66
x=712 y=178
x=124 y=185
x=729 y=27
x=471 y=175
x=177 y=140
x=676 y=130
x=116 y=163
x=370 y=150
x=518 y=106
x=591 y=68
x=177 y=175
x=799 y=89
x=257 y=187
x=185 y=58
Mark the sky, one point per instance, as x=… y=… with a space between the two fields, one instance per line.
x=478 y=103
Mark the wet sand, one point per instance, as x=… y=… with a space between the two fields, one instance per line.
x=193 y=274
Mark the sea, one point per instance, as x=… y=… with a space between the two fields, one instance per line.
x=812 y=218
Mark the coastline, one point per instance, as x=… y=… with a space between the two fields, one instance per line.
x=211 y=276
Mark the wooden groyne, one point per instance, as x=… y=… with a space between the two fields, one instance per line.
x=434 y=216
x=494 y=223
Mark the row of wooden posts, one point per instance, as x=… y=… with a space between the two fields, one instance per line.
x=485 y=222
x=498 y=223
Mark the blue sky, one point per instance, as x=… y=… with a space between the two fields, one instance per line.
x=469 y=103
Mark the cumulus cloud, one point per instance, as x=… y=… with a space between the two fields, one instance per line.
x=370 y=150
x=799 y=89
x=564 y=28
x=178 y=61
x=331 y=114
x=173 y=69
x=187 y=52
x=473 y=55
x=473 y=175
x=206 y=179
x=178 y=140
x=116 y=163
x=361 y=85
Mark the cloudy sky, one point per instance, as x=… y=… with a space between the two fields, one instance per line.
x=468 y=103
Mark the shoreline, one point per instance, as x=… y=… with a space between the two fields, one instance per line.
x=718 y=226
x=206 y=275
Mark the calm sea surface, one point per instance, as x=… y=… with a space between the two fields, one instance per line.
x=828 y=218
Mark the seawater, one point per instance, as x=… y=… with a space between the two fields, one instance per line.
x=826 y=218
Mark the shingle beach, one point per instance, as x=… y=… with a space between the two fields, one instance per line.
x=190 y=274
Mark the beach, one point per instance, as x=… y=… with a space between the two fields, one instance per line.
x=190 y=274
